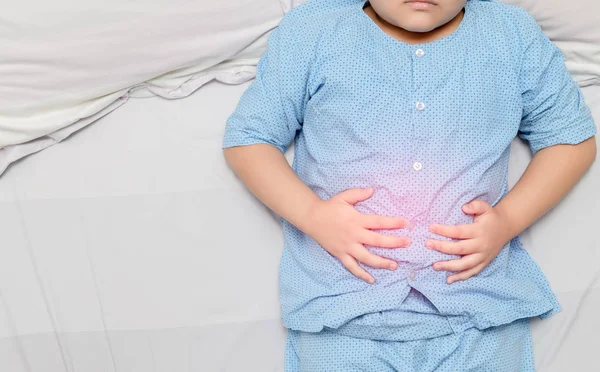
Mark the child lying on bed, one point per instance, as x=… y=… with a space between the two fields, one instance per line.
x=401 y=236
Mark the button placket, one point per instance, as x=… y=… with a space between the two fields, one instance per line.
x=412 y=275
x=420 y=106
x=416 y=159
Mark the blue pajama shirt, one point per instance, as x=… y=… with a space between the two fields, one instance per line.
x=429 y=127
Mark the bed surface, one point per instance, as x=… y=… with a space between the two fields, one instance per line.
x=113 y=252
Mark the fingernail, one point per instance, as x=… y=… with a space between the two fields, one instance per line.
x=449 y=281
x=393 y=266
x=436 y=267
x=371 y=281
x=431 y=228
x=429 y=244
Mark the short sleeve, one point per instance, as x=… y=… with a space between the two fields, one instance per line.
x=272 y=108
x=554 y=110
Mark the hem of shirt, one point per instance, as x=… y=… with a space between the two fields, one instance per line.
x=457 y=324
x=482 y=321
x=357 y=303
x=361 y=303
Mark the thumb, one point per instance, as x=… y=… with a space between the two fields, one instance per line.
x=353 y=196
x=476 y=207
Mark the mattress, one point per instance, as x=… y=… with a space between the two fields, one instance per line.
x=131 y=246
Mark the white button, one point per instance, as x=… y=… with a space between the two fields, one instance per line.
x=412 y=225
x=420 y=106
x=412 y=275
x=419 y=53
x=417 y=166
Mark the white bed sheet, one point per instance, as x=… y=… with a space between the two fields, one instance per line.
x=112 y=252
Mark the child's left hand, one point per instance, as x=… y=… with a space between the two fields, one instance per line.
x=478 y=244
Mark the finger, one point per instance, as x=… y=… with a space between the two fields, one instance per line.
x=461 y=264
x=353 y=196
x=455 y=232
x=353 y=266
x=461 y=247
x=364 y=256
x=464 y=275
x=373 y=221
x=476 y=207
x=384 y=241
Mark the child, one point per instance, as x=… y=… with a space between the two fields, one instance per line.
x=403 y=113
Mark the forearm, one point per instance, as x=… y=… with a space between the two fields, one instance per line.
x=267 y=174
x=552 y=173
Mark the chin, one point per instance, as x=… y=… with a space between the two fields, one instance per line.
x=420 y=24
x=419 y=27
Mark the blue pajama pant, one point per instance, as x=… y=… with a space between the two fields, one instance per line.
x=504 y=348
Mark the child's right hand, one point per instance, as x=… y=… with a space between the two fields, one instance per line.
x=343 y=231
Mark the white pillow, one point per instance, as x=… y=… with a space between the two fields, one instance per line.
x=574 y=26
x=288 y=5
x=68 y=60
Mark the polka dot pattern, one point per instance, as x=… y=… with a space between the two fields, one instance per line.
x=503 y=348
x=429 y=127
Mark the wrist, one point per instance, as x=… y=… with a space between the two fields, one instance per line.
x=307 y=218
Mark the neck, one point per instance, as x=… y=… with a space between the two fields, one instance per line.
x=411 y=37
